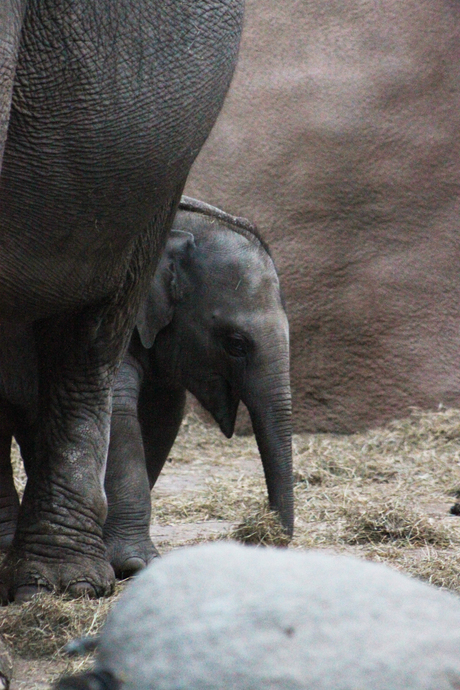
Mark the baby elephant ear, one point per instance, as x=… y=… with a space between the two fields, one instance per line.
x=156 y=311
x=167 y=288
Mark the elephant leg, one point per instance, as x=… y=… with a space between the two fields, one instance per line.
x=160 y=412
x=9 y=500
x=11 y=17
x=58 y=541
x=126 y=530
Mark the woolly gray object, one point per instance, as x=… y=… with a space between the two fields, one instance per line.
x=231 y=617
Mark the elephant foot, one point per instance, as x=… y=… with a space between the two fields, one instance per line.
x=22 y=576
x=128 y=557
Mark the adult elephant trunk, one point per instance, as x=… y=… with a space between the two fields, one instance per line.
x=268 y=399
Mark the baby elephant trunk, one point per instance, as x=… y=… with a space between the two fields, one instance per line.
x=268 y=399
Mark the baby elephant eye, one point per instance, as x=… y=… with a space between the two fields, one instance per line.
x=236 y=345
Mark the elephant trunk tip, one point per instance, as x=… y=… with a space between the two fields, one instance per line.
x=286 y=523
x=281 y=499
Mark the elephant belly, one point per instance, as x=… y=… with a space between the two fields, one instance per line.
x=109 y=110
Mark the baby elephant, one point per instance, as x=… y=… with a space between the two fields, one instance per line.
x=214 y=324
x=228 y=616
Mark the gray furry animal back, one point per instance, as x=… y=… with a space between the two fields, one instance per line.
x=240 y=618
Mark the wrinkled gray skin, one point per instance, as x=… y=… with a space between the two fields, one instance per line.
x=214 y=324
x=104 y=105
x=228 y=616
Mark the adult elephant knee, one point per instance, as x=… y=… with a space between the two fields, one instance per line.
x=104 y=125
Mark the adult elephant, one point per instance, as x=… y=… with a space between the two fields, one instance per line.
x=341 y=141
x=108 y=102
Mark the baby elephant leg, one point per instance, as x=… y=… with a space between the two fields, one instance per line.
x=126 y=530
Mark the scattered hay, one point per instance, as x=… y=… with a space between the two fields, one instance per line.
x=352 y=492
x=383 y=495
x=372 y=523
x=439 y=429
x=264 y=529
x=423 y=444
x=229 y=499
x=437 y=568
x=42 y=626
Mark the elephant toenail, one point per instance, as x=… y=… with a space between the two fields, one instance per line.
x=81 y=589
x=130 y=567
x=27 y=592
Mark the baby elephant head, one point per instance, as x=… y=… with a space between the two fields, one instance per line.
x=214 y=323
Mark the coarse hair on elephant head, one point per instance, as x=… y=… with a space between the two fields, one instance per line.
x=214 y=323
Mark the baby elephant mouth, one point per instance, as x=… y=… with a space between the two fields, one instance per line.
x=227 y=422
x=220 y=399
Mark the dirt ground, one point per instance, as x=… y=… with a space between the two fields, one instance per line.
x=383 y=495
